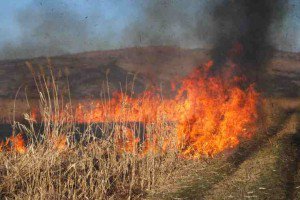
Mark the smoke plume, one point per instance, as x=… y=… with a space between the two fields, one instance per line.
x=246 y=26
x=54 y=27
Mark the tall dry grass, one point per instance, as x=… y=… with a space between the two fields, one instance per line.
x=62 y=163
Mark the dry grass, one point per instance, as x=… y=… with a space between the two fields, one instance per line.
x=257 y=169
x=95 y=168
x=265 y=174
x=96 y=171
x=88 y=167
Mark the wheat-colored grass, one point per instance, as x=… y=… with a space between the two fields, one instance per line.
x=86 y=168
x=95 y=168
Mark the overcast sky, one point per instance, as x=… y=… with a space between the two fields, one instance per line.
x=48 y=27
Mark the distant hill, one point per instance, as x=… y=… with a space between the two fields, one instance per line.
x=87 y=71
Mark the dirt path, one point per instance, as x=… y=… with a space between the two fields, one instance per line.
x=268 y=173
x=291 y=168
x=259 y=169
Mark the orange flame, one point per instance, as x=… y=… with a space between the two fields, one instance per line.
x=206 y=116
x=17 y=143
x=211 y=115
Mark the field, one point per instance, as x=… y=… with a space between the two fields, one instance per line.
x=57 y=166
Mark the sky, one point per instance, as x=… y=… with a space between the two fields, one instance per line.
x=32 y=28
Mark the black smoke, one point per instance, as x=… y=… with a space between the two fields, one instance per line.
x=245 y=24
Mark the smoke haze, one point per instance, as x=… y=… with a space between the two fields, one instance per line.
x=56 y=27
x=246 y=24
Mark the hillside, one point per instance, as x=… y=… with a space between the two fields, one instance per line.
x=87 y=71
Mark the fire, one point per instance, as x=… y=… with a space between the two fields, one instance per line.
x=15 y=143
x=207 y=115
x=216 y=118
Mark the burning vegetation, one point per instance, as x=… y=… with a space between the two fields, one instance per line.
x=131 y=142
x=145 y=134
x=205 y=116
